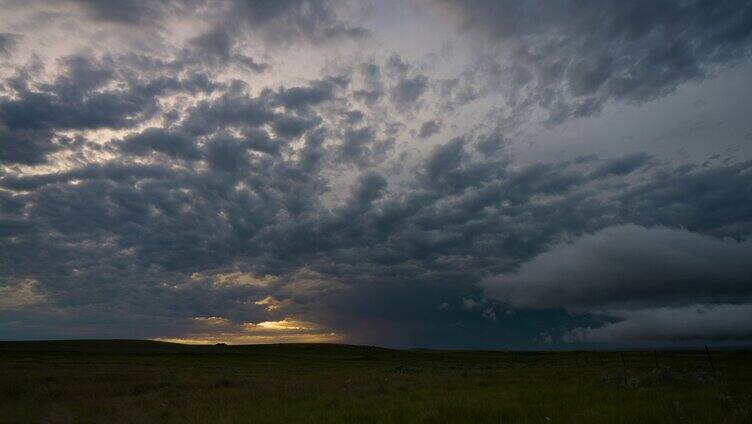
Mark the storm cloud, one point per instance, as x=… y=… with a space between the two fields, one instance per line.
x=207 y=171
x=630 y=265
x=571 y=57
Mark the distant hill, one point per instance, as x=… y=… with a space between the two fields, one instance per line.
x=127 y=346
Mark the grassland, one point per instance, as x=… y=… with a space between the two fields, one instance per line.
x=142 y=382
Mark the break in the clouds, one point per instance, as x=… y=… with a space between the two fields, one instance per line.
x=418 y=173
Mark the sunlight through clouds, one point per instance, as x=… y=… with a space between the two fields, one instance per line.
x=410 y=173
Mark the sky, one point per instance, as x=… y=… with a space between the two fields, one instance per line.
x=486 y=174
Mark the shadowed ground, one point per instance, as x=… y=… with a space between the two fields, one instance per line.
x=143 y=381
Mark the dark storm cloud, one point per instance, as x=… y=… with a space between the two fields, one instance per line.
x=354 y=148
x=469 y=217
x=108 y=171
x=79 y=99
x=278 y=21
x=289 y=126
x=160 y=140
x=217 y=47
x=236 y=109
x=130 y=12
x=353 y=117
x=445 y=159
x=621 y=166
x=362 y=147
x=25 y=146
x=222 y=197
x=630 y=266
x=373 y=86
x=579 y=55
x=707 y=200
x=232 y=108
x=369 y=187
x=260 y=141
x=429 y=128
x=301 y=98
x=69 y=102
x=409 y=90
x=695 y=323
x=7 y=43
x=293 y=20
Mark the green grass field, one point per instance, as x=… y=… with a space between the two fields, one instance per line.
x=143 y=382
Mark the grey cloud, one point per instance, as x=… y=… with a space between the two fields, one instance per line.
x=231 y=109
x=7 y=43
x=621 y=166
x=79 y=99
x=683 y=324
x=301 y=98
x=293 y=20
x=434 y=242
x=362 y=147
x=74 y=100
x=429 y=128
x=629 y=266
x=25 y=146
x=490 y=144
x=373 y=88
x=110 y=171
x=260 y=141
x=582 y=55
x=278 y=21
x=370 y=186
x=159 y=140
x=710 y=200
x=355 y=144
x=409 y=90
x=226 y=198
x=354 y=117
x=368 y=97
x=227 y=154
x=289 y=126
x=445 y=158
x=129 y=12
x=396 y=66
x=217 y=47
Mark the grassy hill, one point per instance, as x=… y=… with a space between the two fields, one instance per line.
x=147 y=381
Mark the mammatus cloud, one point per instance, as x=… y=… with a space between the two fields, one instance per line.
x=429 y=128
x=569 y=58
x=282 y=171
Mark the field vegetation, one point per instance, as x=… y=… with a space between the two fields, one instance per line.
x=144 y=382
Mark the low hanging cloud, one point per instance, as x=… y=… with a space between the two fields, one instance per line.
x=654 y=283
x=251 y=171
x=629 y=265
x=682 y=324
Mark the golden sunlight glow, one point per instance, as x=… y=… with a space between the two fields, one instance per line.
x=19 y=294
x=211 y=330
x=285 y=324
x=239 y=339
x=269 y=302
x=242 y=278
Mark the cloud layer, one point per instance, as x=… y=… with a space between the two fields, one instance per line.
x=630 y=266
x=259 y=171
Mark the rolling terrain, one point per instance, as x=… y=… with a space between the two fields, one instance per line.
x=143 y=381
